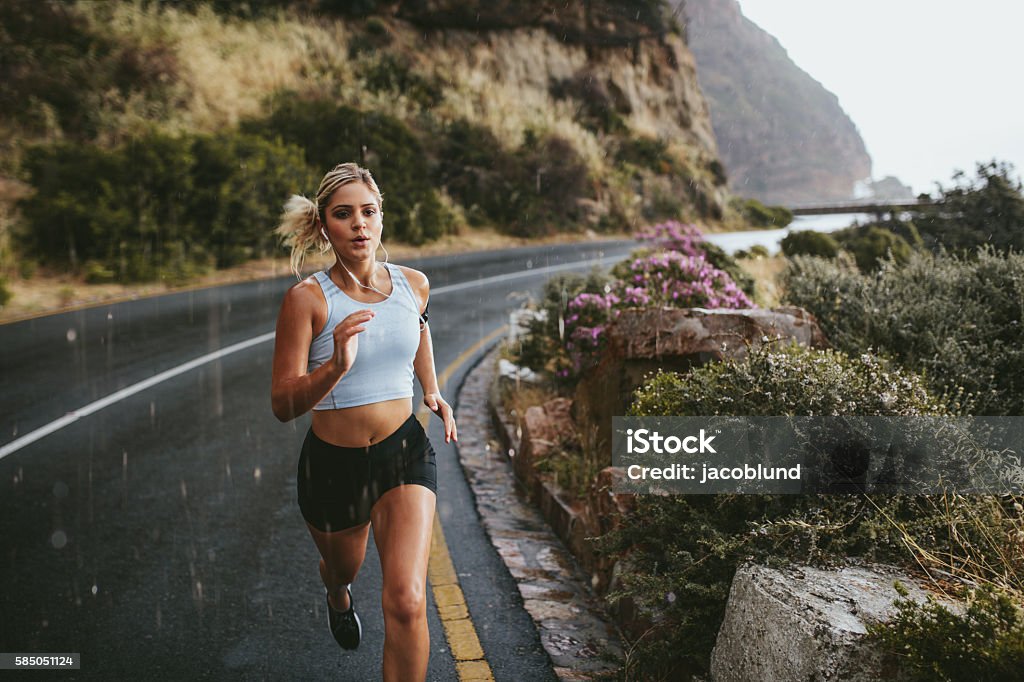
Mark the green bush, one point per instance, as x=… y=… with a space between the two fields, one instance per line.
x=682 y=579
x=158 y=206
x=119 y=207
x=956 y=319
x=985 y=210
x=597 y=109
x=985 y=642
x=5 y=291
x=542 y=348
x=872 y=244
x=756 y=251
x=331 y=134
x=648 y=152
x=392 y=73
x=759 y=215
x=809 y=243
x=239 y=184
x=529 y=191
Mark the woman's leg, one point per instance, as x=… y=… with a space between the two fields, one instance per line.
x=343 y=552
x=403 y=519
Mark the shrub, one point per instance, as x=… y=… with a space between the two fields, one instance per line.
x=5 y=291
x=597 y=110
x=956 y=319
x=120 y=207
x=683 y=579
x=759 y=215
x=647 y=152
x=871 y=244
x=530 y=191
x=331 y=134
x=689 y=240
x=159 y=206
x=239 y=184
x=809 y=243
x=985 y=642
x=672 y=279
x=543 y=346
x=985 y=210
x=569 y=336
x=390 y=72
x=754 y=252
x=55 y=68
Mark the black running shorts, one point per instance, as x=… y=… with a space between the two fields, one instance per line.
x=339 y=486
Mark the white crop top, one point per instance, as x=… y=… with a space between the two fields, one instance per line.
x=383 y=368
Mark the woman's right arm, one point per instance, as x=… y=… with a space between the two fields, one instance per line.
x=293 y=391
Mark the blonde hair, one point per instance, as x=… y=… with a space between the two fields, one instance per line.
x=301 y=219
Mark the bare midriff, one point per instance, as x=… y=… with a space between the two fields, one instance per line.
x=357 y=427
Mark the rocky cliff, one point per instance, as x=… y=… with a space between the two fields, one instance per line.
x=783 y=137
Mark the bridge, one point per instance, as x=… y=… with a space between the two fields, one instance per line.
x=877 y=207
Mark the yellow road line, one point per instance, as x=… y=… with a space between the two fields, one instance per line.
x=444 y=582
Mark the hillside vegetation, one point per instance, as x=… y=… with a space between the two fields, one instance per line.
x=157 y=140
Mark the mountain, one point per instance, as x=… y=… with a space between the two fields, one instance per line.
x=783 y=137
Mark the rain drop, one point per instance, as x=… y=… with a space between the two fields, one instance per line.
x=95 y=589
x=72 y=335
x=59 y=539
x=257 y=473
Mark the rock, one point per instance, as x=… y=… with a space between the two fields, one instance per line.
x=514 y=375
x=806 y=624
x=643 y=341
x=519 y=322
x=543 y=427
x=706 y=334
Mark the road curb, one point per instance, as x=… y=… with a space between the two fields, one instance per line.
x=581 y=643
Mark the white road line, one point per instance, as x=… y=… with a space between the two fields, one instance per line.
x=97 y=405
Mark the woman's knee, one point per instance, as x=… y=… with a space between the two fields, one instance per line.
x=404 y=603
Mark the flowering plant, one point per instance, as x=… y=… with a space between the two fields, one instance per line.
x=673 y=235
x=670 y=278
x=587 y=316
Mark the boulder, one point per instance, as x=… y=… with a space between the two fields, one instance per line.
x=643 y=341
x=543 y=427
x=707 y=334
x=807 y=624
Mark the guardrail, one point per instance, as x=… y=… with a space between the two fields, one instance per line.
x=879 y=207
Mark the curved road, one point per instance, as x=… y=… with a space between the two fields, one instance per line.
x=156 y=532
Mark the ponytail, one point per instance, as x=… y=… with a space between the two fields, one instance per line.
x=298 y=230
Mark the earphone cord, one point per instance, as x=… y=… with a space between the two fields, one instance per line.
x=423 y=319
x=356 y=279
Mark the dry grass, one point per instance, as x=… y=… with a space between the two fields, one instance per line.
x=766 y=272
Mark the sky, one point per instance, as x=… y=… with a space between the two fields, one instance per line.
x=933 y=86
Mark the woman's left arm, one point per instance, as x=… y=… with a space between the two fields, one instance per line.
x=424 y=361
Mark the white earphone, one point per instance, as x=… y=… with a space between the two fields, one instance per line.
x=354 y=278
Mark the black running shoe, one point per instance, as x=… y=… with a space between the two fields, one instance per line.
x=345 y=625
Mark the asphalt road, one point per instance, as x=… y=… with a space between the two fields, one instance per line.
x=157 y=533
